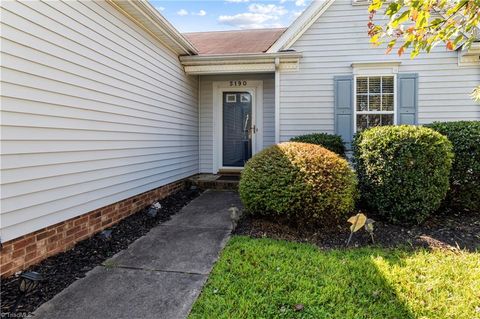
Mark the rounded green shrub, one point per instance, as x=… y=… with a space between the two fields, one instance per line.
x=305 y=183
x=403 y=171
x=464 y=190
x=331 y=142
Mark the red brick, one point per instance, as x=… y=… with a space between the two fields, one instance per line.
x=5 y=258
x=80 y=221
x=106 y=222
x=31 y=256
x=32 y=248
x=60 y=229
x=45 y=234
x=7 y=248
x=95 y=225
x=18 y=253
x=7 y=267
x=72 y=231
x=23 y=243
x=68 y=239
x=81 y=233
x=95 y=215
x=54 y=238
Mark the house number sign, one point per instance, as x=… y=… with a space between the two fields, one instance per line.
x=238 y=83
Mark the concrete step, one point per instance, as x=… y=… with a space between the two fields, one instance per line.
x=213 y=181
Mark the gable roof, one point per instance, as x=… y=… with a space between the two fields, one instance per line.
x=300 y=25
x=234 y=42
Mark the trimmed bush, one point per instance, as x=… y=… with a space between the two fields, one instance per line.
x=464 y=190
x=305 y=183
x=403 y=171
x=331 y=142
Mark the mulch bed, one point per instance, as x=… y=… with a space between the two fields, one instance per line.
x=62 y=270
x=447 y=231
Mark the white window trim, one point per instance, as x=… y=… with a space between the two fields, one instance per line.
x=372 y=73
x=361 y=2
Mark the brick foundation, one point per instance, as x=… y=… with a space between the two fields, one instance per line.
x=20 y=253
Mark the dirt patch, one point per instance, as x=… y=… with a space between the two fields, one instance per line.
x=447 y=231
x=63 y=269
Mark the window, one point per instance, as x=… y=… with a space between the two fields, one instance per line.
x=374 y=101
x=231 y=98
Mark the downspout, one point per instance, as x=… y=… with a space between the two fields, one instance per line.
x=277 y=100
x=199 y=97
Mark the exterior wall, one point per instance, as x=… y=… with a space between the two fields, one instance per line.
x=30 y=249
x=206 y=113
x=337 y=39
x=94 y=111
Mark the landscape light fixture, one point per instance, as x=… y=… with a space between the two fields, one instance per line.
x=152 y=212
x=28 y=282
x=106 y=234
x=154 y=209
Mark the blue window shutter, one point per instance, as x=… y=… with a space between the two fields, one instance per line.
x=344 y=108
x=407 y=107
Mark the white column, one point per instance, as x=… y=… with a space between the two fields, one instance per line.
x=277 y=100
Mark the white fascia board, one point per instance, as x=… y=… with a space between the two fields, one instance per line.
x=300 y=25
x=229 y=69
x=155 y=24
x=200 y=59
x=234 y=63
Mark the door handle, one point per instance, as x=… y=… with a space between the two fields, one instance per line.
x=246 y=123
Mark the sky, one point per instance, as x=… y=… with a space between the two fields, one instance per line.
x=218 y=15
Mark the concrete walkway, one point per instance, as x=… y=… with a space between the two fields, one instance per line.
x=158 y=276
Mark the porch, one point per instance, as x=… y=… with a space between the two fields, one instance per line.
x=236 y=119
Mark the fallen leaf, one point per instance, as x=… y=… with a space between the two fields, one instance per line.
x=357 y=221
x=299 y=307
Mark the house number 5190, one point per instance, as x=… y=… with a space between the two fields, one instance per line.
x=238 y=83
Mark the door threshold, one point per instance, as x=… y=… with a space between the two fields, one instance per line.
x=233 y=170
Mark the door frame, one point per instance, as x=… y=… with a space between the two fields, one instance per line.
x=255 y=88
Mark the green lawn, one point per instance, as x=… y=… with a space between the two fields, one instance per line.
x=263 y=278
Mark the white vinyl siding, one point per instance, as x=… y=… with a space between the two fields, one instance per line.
x=206 y=113
x=338 y=39
x=94 y=110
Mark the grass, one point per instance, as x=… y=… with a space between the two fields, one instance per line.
x=264 y=278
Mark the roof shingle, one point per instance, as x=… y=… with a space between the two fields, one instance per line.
x=234 y=42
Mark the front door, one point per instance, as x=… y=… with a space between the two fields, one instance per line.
x=237 y=128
